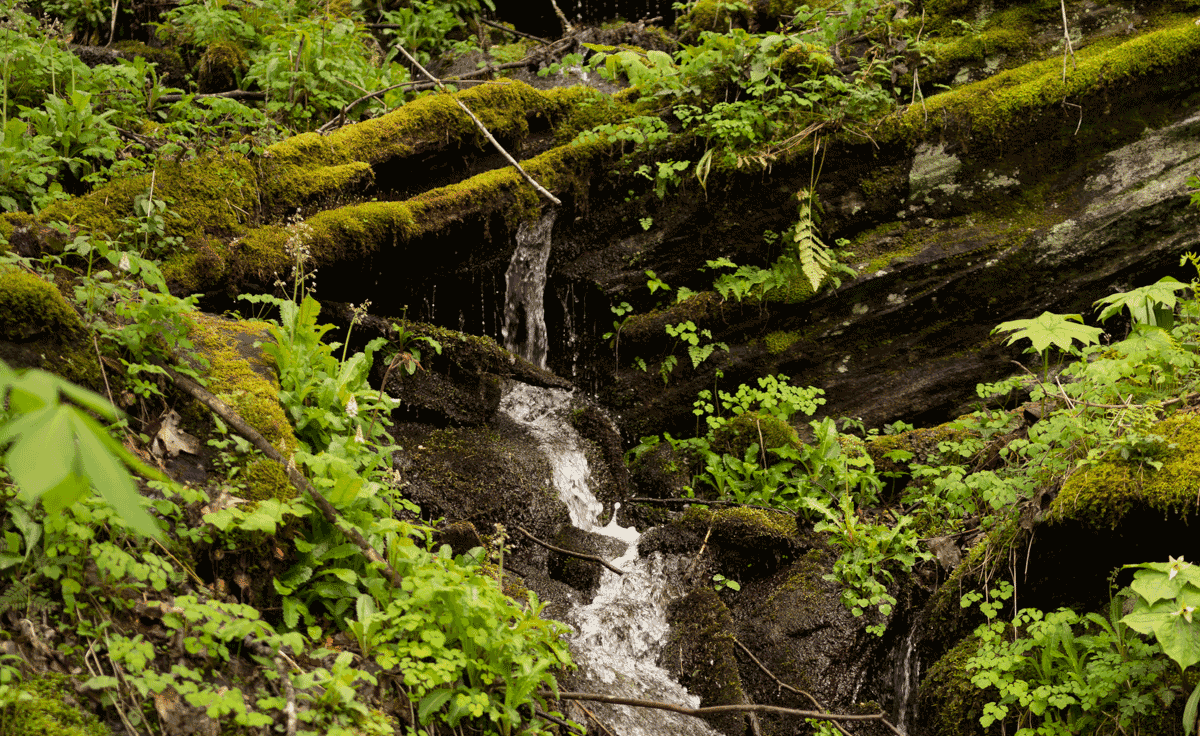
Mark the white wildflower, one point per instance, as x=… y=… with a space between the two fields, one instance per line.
x=352 y=407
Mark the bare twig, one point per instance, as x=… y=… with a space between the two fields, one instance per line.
x=713 y=710
x=540 y=189
x=783 y=685
x=701 y=502
x=566 y=24
x=506 y=29
x=294 y=475
x=1067 y=38
x=580 y=555
x=411 y=86
x=596 y=720
x=234 y=94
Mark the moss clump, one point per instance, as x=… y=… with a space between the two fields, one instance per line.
x=49 y=710
x=1101 y=495
x=779 y=342
x=38 y=329
x=212 y=194
x=802 y=60
x=222 y=67
x=741 y=524
x=754 y=428
x=266 y=479
x=714 y=15
x=240 y=376
x=30 y=307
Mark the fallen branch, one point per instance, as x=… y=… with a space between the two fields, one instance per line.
x=540 y=189
x=580 y=555
x=234 y=94
x=223 y=410
x=783 y=685
x=468 y=78
x=713 y=710
x=704 y=502
x=512 y=31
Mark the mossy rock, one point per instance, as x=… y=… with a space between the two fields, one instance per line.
x=754 y=428
x=713 y=15
x=46 y=706
x=242 y=376
x=745 y=543
x=1100 y=496
x=582 y=575
x=169 y=64
x=948 y=703
x=221 y=67
x=701 y=654
x=39 y=329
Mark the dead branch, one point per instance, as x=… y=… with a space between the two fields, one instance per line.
x=223 y=410
x=569 y=553
x=506 y=29
x=234 y=94
x=783 y=685
x=540 y=189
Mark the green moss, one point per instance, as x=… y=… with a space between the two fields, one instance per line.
x=741 y=523
x=239 y=375
x=49 y=710
x=222 y=66
x=715 y=15
x=1101 y=495
x=213 y=194
x=353 y=231
x=779 y=342
x=266 y=479
x=765 y=430
x=30 y=306
x=1011 y=99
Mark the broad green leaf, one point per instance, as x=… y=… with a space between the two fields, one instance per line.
x=1049 y=329
x=109 y=476
x=1152 y=305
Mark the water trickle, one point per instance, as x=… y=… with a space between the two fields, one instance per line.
x=620 y=633
x=524 y=330
x=908 y=673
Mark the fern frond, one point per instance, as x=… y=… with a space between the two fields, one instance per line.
x=813 y=255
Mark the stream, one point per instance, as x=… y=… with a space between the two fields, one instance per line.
x=619 y=635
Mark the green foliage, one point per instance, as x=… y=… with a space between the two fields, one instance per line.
x=1063 y=673
x=426 y=28
x=1050 y=329
x=56 y=452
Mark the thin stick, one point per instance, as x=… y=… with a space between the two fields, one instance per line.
x=294 y=475
x=701 y=502
x=112 y=27
x=784 y=685
x=540 y=189
x=715 y=709
x=233 y=94
x=596 y=720
x=567 y=27
x=580 y=555
x=467 y=78
x=506 y=29
x=1067 y=37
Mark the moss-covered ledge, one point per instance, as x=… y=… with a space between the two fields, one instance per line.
x=994 y=107
x=39 y=329
x=349 y=233
x=1099 y=497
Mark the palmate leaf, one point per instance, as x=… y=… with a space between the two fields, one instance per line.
x=1148 y=305
x=1049 y=329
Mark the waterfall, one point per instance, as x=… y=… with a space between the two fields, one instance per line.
x=524 y=329
x=619 y=635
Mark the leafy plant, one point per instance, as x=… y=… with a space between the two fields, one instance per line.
x=1050 y=329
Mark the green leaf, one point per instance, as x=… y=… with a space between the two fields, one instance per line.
x=1189 y=712
x=432 y=703
x=1049 y=329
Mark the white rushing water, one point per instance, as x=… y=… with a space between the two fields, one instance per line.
x=620 y=634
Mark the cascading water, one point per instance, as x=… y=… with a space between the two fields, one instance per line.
x=619 y=635
x=524 y=330
x=621 y=632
